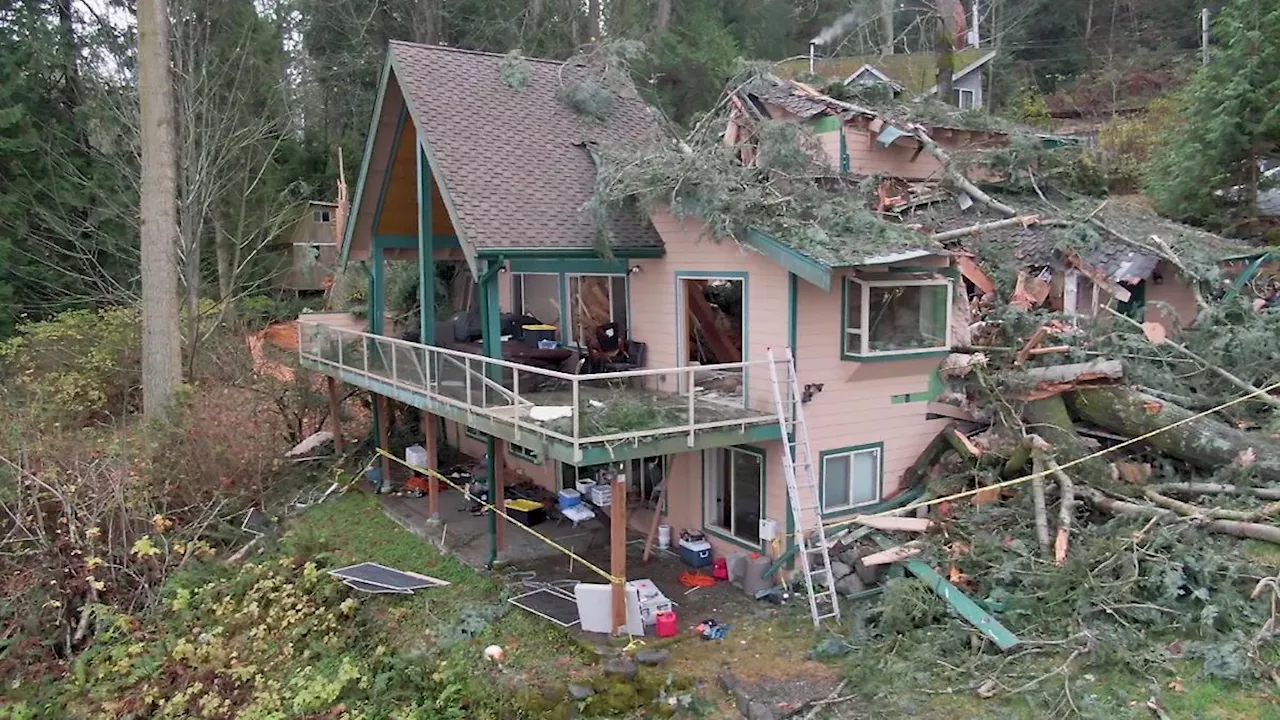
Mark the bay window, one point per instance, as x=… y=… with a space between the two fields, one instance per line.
x=895 y=317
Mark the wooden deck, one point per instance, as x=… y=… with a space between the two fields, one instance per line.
x=579 y=419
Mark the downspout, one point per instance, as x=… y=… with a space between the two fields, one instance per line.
x=491 y=461
x=812 y=45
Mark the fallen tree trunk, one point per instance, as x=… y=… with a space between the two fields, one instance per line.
x=1266 y=493
x=1078 y=372
x=1253 y=531
x=1203 y=442
x=956 y=177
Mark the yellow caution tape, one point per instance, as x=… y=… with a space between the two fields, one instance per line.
x=492 y=508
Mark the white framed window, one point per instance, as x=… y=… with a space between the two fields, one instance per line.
x=965 y=98
x=524 y=453
x=733 y=493
x=851 y=478
x=320 y=216
x=537 y=294
x=895 y=317
x=594 y=300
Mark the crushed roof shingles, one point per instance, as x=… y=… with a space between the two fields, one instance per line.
x=512 y=160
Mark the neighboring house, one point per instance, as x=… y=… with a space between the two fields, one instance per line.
x=461 y=168
x=908 y=75
x=313 y=248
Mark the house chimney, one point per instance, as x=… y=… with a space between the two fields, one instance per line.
x=812 y=44
x=973 y=27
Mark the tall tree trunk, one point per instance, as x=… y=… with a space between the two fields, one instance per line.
x=886 y=26
x=662 y=16
x=593 y=21
x=427 y=22
x=161 y=335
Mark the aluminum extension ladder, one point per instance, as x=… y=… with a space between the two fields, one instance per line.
x=802 y=488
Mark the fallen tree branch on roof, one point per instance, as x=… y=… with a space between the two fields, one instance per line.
x=957 y=177
x=1204 y=442
x=978 y=229
x=1183 y=349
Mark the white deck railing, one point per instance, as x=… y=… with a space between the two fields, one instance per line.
x=588 y=409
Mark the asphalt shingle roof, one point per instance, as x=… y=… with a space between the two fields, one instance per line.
x=513 y=161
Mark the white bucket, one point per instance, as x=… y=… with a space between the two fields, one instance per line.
x=664 y=537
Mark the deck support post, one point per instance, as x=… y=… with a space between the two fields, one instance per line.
x=431 y=436
x=618 y=550
x=490 y=458
x=500 y=490
x=490 y=329
x=335 y=420
x=382 y=413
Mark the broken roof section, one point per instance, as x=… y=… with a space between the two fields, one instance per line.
x=1049 y=237
x=509 y=162
x=915 y=73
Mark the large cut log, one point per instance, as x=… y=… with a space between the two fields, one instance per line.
x=1204 y=442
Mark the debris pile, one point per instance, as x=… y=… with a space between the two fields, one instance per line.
x=1112 y=387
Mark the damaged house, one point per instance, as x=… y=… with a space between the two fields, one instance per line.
x=746 y=365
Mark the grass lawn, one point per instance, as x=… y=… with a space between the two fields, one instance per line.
x=354 y=529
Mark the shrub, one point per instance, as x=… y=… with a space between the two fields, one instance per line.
x=79 y=366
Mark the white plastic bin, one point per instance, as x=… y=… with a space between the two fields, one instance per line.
x=416 y=455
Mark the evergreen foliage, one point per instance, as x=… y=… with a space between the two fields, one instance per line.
x=1229 y=116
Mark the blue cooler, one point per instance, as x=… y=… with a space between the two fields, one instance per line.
x=569 y=498
x=695 y=553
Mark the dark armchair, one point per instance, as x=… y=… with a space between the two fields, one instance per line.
x=610 y=350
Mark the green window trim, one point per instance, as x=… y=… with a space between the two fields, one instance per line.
x=475 y=434
x=719 y=532
x=823 y=456
x=864 y=354
x=935 y=389
x=523 y=453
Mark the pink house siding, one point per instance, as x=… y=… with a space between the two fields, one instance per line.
x=654 y=320
x=1176 y=293
x=855 y=406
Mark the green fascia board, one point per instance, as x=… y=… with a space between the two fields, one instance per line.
x=386 y=176
x=789 y=258
x=638 y=253
x=961 y=604
x=675 y=444
x=410 y=242
x=550 y=447
x=349 y=230
x=571 y=266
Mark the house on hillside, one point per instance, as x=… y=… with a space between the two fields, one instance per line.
x=907 y=75
x=312 y=252
x=663 y=368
